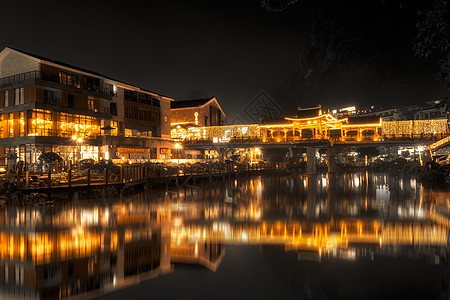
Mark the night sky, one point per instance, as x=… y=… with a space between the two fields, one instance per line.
x=228 y=49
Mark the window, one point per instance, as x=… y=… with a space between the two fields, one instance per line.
x=115 y=126
x=130 y=95
x=71 y=100
x=22 y=124
x=18 y=96
x=92 y=84
x=128 y=132
x=6 y=99
x=11 y=125
x=91 y=104
x=68 y=79
x=51 y=97
x=113 y=108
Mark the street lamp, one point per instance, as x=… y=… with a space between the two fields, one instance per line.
x=178 y=147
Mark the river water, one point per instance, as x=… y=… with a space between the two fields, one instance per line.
x=346 y=236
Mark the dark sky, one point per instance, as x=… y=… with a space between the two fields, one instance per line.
x=228 y=49
x=233 y=49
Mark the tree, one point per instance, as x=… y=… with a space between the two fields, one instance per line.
x=433 y=38
x=277 y=5
x=360 y=52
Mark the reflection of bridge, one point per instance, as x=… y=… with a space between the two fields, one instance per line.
x=47 y=252
x=322 y=237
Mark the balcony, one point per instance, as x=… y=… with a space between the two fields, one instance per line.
x=14 y=79
x=5 y=81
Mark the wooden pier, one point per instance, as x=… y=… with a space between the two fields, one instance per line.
x=126 y=176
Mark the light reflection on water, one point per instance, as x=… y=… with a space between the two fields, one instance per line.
x=89 y=247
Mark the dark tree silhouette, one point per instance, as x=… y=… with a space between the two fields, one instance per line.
x=361 y=52
x=277 y=5
x=433 y=37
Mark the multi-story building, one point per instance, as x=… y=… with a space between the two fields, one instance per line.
x=432 y=110
x=50 y=106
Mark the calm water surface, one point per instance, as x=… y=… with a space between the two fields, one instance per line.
x=347 y=236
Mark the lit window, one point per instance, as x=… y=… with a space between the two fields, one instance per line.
x=91 y=104
x=128 y=132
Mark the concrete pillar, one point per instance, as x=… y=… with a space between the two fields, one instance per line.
x=331 y=160
x=311 y=168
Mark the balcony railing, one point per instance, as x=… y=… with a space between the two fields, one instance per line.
x=5 y=81
x=19 y=78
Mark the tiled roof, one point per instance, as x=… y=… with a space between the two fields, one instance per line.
x=190 y=103
x=309 y=112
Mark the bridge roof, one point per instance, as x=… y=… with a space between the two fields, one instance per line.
x=308 y=112
x=277 y=121
x=363 y=120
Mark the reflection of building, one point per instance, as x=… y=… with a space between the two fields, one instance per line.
x=45 y=103
x=74 y=251
x=74 y=248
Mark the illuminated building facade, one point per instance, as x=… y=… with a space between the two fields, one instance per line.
x=432 y=110
x=190 y=119
x=313 y=124
x=52 y=106
x=198 y=112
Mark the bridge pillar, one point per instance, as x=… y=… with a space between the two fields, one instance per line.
x=331 y=160
x=311 y=196
x=311 y=168
x=331 y=194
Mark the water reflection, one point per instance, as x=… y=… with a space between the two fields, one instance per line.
x=92 y=247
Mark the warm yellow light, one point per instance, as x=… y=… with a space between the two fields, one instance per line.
x=79 y=140
x=74 y=137
x=178 y=146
